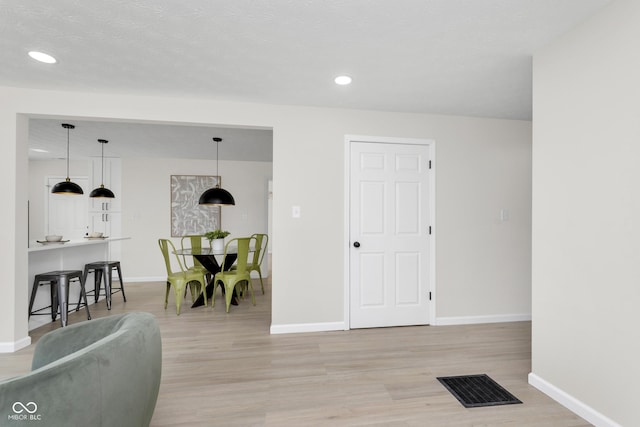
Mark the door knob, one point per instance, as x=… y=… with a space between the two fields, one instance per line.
x=356 y=244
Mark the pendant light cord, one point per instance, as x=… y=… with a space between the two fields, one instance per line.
x=102 y=175
x=68 y=154
x=217 y=160
x=217 y=141
x=67 y=127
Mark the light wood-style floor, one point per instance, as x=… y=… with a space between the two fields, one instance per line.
x=227 y=370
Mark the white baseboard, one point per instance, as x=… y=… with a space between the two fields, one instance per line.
x=307 y=327
x=571 y=403
x=340 y=326
x=12 y=347
x=471 y=320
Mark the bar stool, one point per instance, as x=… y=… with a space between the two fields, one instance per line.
x=59 y=281
x=100 y=269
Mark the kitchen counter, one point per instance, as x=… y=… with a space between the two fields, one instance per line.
x=35 y=246
x=72 y=255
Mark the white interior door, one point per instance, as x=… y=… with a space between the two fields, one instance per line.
x=67 y=215
x=389 y=229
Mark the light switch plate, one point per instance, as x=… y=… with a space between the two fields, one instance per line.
x=295 y=211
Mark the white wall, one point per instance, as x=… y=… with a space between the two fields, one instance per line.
x=483 y=165
x=483 y=263
x=586 y=211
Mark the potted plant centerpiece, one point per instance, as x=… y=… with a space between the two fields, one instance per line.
x=216 y=239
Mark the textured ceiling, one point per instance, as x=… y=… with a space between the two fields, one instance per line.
x=462 y=57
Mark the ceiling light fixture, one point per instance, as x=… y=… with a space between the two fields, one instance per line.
x=217 y=196
x=102 y=191
x=343 y=80
x=42 y=57
x=66 y=186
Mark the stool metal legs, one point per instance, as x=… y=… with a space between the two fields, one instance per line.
x=59 y=282
x=52 y=292
x=103 y=270
x=63 y=298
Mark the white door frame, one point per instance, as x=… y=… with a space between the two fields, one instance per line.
x=348 y=139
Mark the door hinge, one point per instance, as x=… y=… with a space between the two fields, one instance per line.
x=429 y=230
x=429 y=296
x=429 y=164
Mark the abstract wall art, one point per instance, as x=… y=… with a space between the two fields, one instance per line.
x=187 y=216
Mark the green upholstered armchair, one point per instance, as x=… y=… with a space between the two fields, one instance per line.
x=102 y=372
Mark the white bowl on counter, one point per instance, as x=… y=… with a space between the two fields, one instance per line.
x=53 y=238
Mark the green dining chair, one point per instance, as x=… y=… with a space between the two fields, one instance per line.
x=194 y=243
x=178 y=279
x=260 y=248
x=239 y=275
x=261 y=243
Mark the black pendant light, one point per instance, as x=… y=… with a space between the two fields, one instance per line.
x=217 y=196
x=101 y=191
x=66 y=186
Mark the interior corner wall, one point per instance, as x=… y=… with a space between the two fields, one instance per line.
x=586 y=210
x=482 y=166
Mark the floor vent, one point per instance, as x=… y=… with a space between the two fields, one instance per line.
x=478 y=390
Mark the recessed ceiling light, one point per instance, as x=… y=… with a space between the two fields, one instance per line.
x=42 y=57
x=343 y=80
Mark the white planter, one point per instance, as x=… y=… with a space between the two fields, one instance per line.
x=217 y=244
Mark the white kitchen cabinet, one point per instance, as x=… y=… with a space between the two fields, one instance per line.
x=108 y=223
